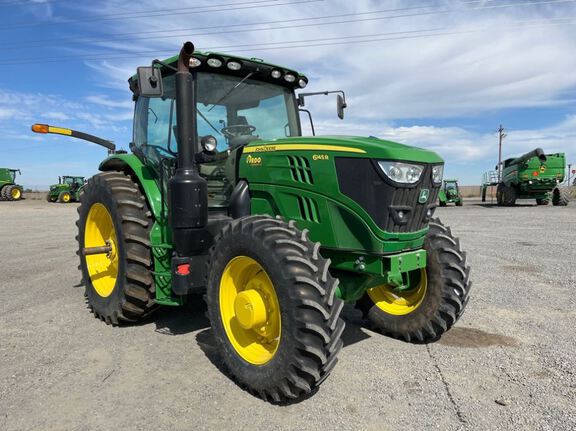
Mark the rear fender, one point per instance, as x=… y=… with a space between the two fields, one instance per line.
x=133 y=166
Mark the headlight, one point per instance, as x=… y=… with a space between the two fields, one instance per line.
x=233 y=65
x=214 y=62
x=289 y=78
x=195 y=62
x=401 y=172
x=209 y=143
x=437 y=173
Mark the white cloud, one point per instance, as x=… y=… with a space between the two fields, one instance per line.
x=445 y=76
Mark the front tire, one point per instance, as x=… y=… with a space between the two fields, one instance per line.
x=64 y=197
x=505 y=195
x=12 y=193
x=289 y=344
x=424 y=314
x=119 y=285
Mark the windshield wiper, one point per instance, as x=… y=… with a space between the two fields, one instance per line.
x=209 y=123
x=231 y=90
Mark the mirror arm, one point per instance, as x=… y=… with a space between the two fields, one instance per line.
x=301 y=96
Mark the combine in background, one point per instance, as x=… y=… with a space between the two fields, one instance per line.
x=9 y=190
x=534 y=175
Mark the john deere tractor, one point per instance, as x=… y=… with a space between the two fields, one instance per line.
x=222 y=195
x=450 y=194
x=67 y=190
x=534 y=175
x=9 y=190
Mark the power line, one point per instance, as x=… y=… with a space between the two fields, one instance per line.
x=93 y=40
x=35 y=58
x=28 y=3
x=308 y=43
x=163 y=12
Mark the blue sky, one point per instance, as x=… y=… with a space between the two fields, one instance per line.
x=440 y=74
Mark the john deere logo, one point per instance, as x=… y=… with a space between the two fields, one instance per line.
x=423 y=198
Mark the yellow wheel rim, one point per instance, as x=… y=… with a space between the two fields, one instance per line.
x=102 y=268
x=66 y=197
x=16 y=193
x=399 y=303
x=250 y=311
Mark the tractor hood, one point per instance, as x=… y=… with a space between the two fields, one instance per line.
x=365 y=147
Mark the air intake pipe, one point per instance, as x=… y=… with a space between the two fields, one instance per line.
x=187 y=190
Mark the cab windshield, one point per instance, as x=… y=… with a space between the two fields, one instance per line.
x=235 y=110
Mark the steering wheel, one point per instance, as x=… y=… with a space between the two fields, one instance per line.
x=238 y=130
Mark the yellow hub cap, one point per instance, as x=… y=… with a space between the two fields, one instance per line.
x=399 y=303
x=102 y=268
x=250 y=311
x=16 y=193
x=66 y=197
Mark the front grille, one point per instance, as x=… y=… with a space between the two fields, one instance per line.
x=362 y=181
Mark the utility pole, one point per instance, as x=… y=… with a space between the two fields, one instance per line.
x=501 y=136
x=569 y=173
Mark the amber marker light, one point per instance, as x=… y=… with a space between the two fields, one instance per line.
x=40 y=128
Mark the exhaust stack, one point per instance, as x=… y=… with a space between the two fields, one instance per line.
x=187 y=190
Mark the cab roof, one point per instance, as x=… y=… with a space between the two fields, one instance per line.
x=260 y=69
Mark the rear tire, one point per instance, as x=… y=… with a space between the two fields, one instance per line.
x=310 y=327
x=560 y=197
x=447 y=293
x=132 y=296
x=460 y=202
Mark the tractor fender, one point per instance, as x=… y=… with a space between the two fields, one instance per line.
x=133 y=166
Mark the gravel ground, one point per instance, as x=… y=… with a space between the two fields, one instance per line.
x=508 y=364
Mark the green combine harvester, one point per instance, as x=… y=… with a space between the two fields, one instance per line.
x=534 y=175
x=67 y=190
x=9 y=190
x=223 y=196
x=450 y=194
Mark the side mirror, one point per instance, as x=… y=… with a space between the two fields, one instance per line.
x=150 y=81
x=340 y=106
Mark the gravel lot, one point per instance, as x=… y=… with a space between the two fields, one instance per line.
x=509 y=363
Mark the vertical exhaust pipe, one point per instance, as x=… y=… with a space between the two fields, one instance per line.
x=187 y=194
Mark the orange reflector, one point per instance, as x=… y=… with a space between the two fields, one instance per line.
x=40 y=128
x=535 y=173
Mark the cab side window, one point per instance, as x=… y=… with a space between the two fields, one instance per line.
x=154 y=122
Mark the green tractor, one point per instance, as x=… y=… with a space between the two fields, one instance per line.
x=223 y=196
x=9 y=190
x=67 y=190
x=534 y=175
x=450 y=194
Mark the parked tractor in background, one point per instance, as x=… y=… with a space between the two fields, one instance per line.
x=9 y=190
x=67 y=190
x=222 y=195
x=534 y=175
x=450 y=194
